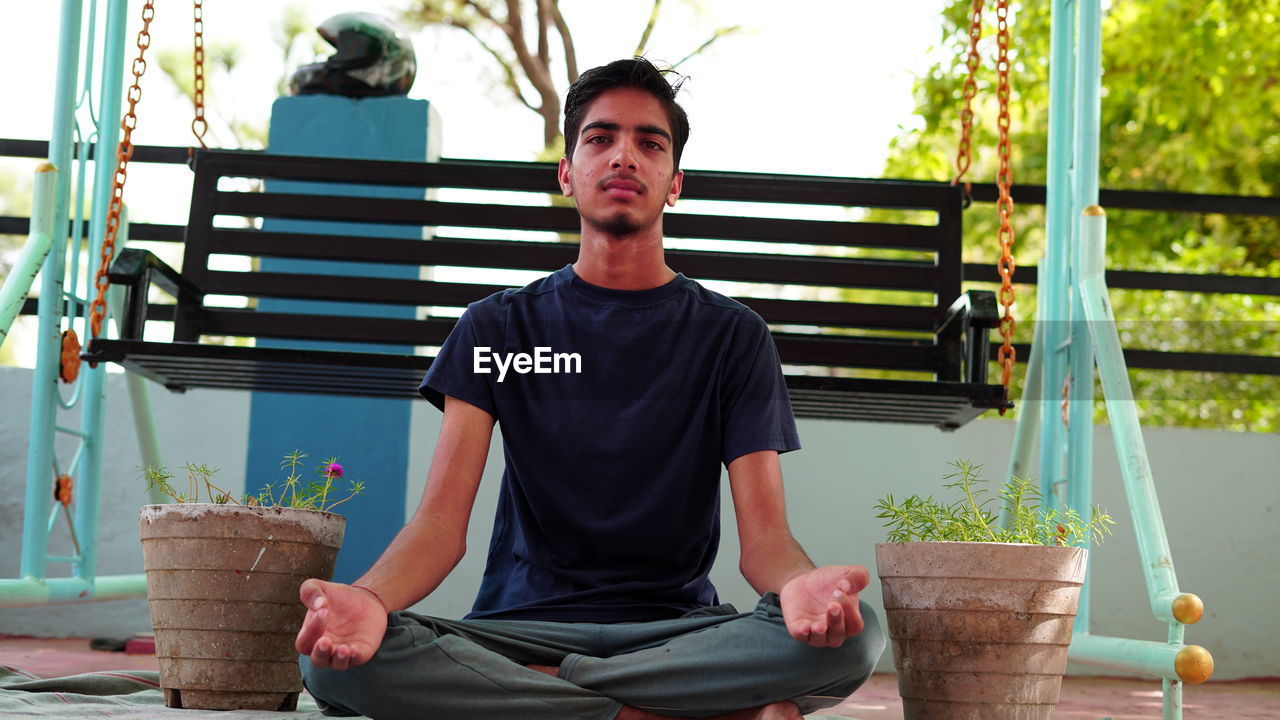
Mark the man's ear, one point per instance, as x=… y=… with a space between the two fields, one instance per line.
x=677 y=184
x=562 y=173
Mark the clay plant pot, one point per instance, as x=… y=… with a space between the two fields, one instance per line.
x=980 y=631
x=222 y=582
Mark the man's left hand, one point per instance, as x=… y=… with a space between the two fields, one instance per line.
x=820 y=607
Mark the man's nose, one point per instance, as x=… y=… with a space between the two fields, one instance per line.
x=623 y=157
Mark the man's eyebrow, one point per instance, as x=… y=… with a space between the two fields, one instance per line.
x=615 y=127
x=654 y=130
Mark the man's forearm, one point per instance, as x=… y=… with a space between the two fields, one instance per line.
x=769 y=562
x=432 y=543
x=418 y=559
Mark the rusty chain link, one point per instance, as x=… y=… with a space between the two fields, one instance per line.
x=970 y=91
x=1004 y=205
x=98 y=308
x=199 y=126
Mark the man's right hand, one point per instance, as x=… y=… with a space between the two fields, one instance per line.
x=344 y=624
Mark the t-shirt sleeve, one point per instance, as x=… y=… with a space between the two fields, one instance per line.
x=453 y=370
x=755 y=403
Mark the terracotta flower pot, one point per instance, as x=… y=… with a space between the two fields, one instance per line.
x=222 y=582
x=980 y=631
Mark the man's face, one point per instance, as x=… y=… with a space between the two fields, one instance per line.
x=623 y=167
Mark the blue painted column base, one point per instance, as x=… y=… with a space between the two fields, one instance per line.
x=369 y=435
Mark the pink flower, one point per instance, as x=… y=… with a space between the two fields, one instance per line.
x=332 y=470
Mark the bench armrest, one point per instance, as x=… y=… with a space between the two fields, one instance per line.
x=136 y=270
x=964 y=335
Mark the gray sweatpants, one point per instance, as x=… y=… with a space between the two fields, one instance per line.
x=710 y=662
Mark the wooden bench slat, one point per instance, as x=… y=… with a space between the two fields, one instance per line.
x=290 y=326
x=794 y=349
x=764 y=268
x=432 y=213
x=345 y=288
x=541 y=177
x=861 y=352
x=423 y=293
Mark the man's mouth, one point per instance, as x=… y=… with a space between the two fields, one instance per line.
x=622 y=187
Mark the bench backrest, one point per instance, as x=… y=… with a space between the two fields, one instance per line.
x=839 y=289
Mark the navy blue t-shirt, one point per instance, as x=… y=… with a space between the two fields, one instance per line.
x=617 y=409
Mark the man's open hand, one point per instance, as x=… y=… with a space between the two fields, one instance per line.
x=820 y=607
x=344 y=624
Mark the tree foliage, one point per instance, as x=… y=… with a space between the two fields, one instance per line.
x=1190 y=97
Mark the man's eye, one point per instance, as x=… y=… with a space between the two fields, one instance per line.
x=653 y=145
x=594 y=138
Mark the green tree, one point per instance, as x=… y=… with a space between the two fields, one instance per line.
x=1191 y=93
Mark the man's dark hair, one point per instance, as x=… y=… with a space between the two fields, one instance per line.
x=636 y=73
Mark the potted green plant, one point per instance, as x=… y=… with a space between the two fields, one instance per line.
x=223 y=577
x=980 y=613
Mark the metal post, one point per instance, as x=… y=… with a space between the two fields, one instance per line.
x=94 y=379
x=1053 y=291
x=1028 y=425
x=39 y=497
x=1080 y=400
x=1135 y=467
x=144 y=421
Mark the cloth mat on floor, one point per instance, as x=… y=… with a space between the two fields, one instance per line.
x=128 y=694
x=131 y=695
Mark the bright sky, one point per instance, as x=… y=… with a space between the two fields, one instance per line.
x=808 y=86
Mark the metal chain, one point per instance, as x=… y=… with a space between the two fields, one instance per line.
x=970 y=91
x=199 y=126
x=1004 y=205
x=98 y=308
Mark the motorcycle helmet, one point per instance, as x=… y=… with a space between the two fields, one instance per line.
x=374 y=58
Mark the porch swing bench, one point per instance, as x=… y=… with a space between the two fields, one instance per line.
x=893 y=339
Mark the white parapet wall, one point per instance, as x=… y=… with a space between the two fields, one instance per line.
x=1219 y=492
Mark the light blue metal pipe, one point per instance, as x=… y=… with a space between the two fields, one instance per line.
x=76 y=214
x=38 y=498
x=1135 y=468
x=29 y=591
x=1028 y=425
x=1053 y=277
x=144 y=420
x=1080 y=408
x=94 y=379
x=34 y=251
x=1172 y=706
x=1137 y=656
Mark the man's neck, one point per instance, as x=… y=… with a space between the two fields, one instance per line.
x=622 y=263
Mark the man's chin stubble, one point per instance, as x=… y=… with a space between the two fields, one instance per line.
x=617 y=226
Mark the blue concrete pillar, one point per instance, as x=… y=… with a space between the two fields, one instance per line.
x=370 y=435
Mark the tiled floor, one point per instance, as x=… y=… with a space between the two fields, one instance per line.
x=1083 y=698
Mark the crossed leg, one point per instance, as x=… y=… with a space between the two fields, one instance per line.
x=735 y=666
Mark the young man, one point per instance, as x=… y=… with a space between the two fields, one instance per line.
x=596 y=601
